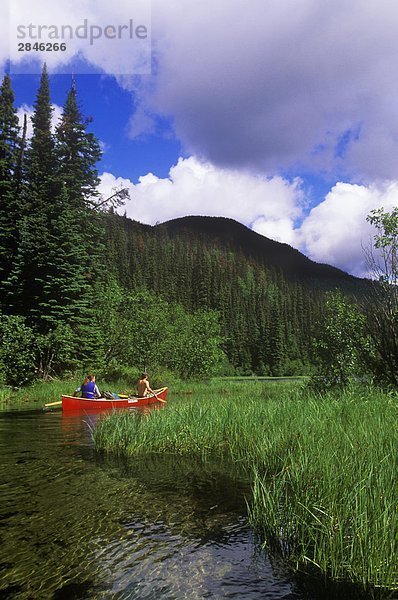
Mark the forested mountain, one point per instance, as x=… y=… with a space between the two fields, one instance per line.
x=82 y=287
x=231 y=234
x=270 y=297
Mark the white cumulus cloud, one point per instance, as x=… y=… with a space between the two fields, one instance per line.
x=334 y=232
x=261 y=86
x=195 y=187
x=28 y=110
x=270 y=85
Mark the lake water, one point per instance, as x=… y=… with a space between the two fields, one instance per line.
x=77 y=525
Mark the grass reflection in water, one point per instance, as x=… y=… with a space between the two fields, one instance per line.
x=75 y=525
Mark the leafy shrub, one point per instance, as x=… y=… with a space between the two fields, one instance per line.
x=17 y=357
x=55 y=351
x=143 y=330
x=342 y=344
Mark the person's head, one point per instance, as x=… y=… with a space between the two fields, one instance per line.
x=144 y=375
x=89 y=377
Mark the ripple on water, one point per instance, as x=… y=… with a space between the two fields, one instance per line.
x=75 y=525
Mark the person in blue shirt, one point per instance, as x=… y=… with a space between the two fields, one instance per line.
x=89 y=388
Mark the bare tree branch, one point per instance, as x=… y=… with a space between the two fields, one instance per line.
x=118 y=198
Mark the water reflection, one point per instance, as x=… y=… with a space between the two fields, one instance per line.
x=77 y=525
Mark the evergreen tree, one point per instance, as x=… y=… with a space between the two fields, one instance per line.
x=78 y=151
x=84 y=272
x=10 y=206
x=58 y=263
x=41 y=160
x=24 y=287
x=19 y=172
x=267 y=322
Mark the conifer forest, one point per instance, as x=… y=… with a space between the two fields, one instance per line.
x=84 y=287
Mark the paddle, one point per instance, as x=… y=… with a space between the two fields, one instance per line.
x=159 y=399
x=53 y=403
x=124 y=396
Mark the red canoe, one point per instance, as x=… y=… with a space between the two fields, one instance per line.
x=72 y=403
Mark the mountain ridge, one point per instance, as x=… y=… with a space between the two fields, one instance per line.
x=293 y=263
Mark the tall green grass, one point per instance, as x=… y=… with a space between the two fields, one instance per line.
x=36 y=395
x=323 y=469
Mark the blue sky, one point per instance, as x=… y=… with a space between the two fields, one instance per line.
x=110 y=107
x=283 y=116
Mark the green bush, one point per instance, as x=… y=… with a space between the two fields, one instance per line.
x=55 y=351
x=145 y=331
x=115 y=371
x=342 y=344
x=17 y=357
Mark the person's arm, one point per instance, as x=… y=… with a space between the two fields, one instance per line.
x=97 y=393
x=150 y=389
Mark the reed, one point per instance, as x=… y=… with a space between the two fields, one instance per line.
x=34 y=396
x=323 y=469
